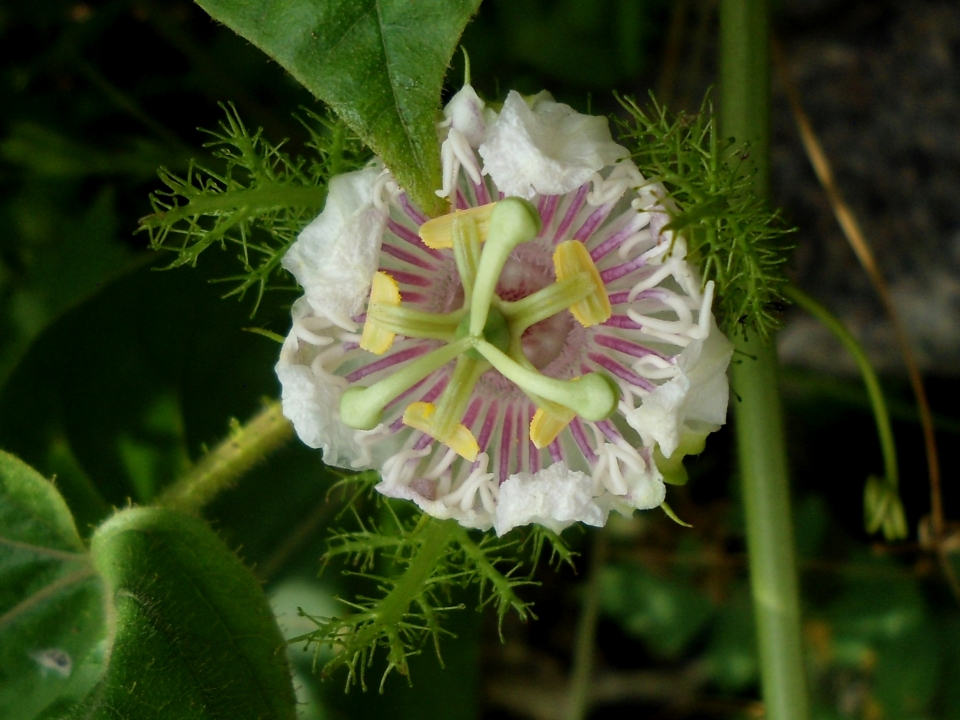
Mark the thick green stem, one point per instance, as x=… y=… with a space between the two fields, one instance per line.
x=744 y=115
x=227 y=462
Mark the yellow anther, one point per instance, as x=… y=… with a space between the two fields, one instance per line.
x=438 y=233
x=571 y=258
x=383 y=291
x=418 y=415
x=547 y=424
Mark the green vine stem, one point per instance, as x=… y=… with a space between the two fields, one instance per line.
x=581 y=675
x=877 y=403
x=220 y=468
x=744 y=115
x=890 y=508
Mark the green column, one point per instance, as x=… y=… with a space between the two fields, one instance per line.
x=745 y=115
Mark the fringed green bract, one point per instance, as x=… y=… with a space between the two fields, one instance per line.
x=414 y=563
x=731 y=234
x=259 y=201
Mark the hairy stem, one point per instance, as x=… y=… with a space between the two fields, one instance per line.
x=264 y=196
x=387 y=617
x=744 y=114
x=220 y=468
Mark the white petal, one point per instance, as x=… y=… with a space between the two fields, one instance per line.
x=336 y=255
x=312 y=402
x=696 y=397
x=465 y=112
x=548 y=148
x=554 y=497
x=708 y=374
x=471 y=518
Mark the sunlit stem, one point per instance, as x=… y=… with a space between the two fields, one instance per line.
x=593 y=396
x=218 y=470
x=414 y=323
x=514 y=221
x=546 y=302
x=466 y=252
x=456 y=396
x=362 y=408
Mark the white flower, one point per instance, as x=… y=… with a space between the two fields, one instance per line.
x=545 y=147
x=312 y=402
x=532 y=383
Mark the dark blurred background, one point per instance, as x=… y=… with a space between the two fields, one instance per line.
x=114 y=376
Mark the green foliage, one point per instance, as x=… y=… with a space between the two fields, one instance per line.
x=525 y=46
x=378 y=63
x=259 y=201
x=52 y=154
x=52 y=612
x=731 y=234
x=666 y=613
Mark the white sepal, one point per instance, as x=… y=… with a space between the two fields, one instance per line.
x=336 y=255
x=545 y=147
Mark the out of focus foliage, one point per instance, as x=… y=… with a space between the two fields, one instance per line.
x=114 y=378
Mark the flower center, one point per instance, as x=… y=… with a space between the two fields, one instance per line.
x=543 y=342
x=512 y=319
x=527 y=271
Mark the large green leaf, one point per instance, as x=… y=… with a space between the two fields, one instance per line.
x=378 y=63
x=195 y=637
x=51 y=599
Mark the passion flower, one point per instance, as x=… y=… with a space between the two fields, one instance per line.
x=524 y=358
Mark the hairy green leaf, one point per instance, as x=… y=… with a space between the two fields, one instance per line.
x=51 y=599
x=195 y=637
x=378 y=63
x=194 y=634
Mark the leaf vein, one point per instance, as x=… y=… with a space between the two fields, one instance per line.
x=40 y=550
x=41 y=595
x=408 y=130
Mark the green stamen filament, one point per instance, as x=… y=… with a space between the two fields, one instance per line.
x=466 y=253
x=362 y=407
x=514 y=221
x=415 y=323
x=456 y=396
x=592 y=396
x=546 y=302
